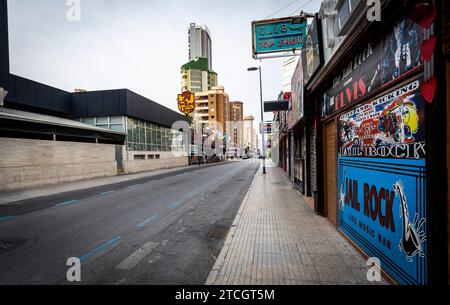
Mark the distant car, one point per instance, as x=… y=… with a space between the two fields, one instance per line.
x=245 y=157
x=262 y=157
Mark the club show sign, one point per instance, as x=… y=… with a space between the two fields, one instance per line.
x=278 y=35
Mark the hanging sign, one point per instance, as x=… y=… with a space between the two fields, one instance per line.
x=311 y=57
x=278 y=35
x=186 y=102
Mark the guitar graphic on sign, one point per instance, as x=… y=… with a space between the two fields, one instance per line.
x=413 y=235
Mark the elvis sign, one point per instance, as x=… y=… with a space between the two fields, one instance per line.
x=376 y=66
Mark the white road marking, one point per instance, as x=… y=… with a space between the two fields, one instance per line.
x=134 y=259
x=121 y=282
x=155 y=259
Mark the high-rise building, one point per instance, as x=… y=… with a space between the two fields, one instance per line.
x=200 y=44
x=250 y=136
x=236 y=125
x=255 y=140
x=196 y=77
x=212 y=110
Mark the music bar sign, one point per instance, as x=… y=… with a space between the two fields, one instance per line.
x=278 y=35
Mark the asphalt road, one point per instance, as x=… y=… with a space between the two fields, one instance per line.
x=165 y=230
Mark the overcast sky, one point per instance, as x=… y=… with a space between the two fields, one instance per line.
x=141 y=44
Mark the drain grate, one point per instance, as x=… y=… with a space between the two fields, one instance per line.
x=10 y=244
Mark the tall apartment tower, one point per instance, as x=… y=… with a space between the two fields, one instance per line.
x=236 y=120
x=212 y=110
x=200 y=44
x=4 y=45
x=250 y=134
x=196 y=77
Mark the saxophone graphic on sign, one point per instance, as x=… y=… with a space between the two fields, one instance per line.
x=341 y=203
x=413 y=235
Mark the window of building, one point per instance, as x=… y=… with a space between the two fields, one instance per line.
x=144 y=136
x=111 y=123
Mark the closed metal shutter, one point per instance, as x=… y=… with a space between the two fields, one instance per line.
x=313 y=162
x=330 y=170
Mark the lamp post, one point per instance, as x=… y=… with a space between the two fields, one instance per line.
x=262 y=114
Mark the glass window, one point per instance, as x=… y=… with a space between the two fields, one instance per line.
x=102 y=121
x=158 y=137
x=118 y=127
x=153 y=136
x=148 y=136
x=116 y=120
x=90 y=121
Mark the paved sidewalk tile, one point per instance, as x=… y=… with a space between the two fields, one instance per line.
x=276 y=239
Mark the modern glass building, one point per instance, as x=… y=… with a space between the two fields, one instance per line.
x=148 y=125
x=142 y=136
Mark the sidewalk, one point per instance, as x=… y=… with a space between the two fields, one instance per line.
x=276 y=239
x=20 y=195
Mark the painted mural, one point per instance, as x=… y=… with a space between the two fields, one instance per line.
x=382 y=181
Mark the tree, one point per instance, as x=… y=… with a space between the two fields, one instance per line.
x=190 y=119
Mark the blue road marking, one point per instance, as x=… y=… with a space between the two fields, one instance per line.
x=106 y=193
x=148 y=222
x=66 y=203
x=175 y=205
x=135 y=186
x=100 y=248
x=6 y=218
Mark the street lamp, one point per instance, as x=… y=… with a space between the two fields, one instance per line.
x=253 y=69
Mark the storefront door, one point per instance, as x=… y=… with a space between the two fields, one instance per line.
x=330 y=170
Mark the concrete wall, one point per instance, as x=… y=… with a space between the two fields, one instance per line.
x=33 y=163
x=166 y=162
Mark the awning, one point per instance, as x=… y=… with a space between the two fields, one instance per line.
x=16 y=122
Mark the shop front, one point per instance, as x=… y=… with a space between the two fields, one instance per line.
x=375 y=145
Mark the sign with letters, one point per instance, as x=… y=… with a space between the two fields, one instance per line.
x=374 y=67
x=278 y=35
x=382 y=181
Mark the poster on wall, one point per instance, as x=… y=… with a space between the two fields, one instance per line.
x=382 y=181
x=377 y=65
x=311 y=56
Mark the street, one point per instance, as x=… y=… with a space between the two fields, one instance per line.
x=168 y=230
